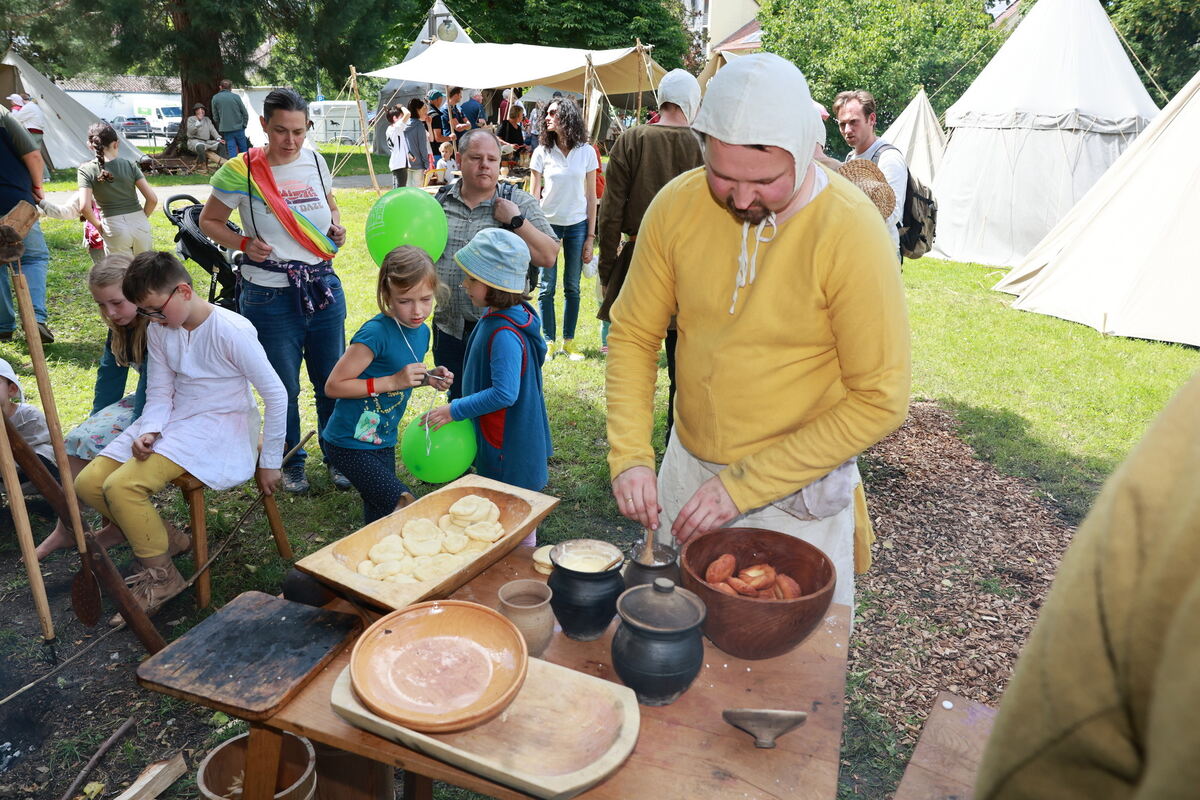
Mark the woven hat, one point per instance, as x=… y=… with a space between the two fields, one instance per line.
x=496 y=257
x=864 y=174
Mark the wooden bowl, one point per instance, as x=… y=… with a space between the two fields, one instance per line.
x=438 y=667
x=748 y=627
x=336 y=564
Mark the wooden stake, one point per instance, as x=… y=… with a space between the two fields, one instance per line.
x=362 y=119
x=20 y=515
x=38 y=356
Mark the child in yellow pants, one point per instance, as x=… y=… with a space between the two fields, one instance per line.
x=202 y=362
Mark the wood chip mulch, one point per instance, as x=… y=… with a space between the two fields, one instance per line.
x=963 y=560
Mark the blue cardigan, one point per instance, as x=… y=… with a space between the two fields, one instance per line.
x=502 y=388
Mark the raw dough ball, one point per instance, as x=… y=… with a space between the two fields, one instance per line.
x=385 y=569
x=400 y=577
x=475 y=546
x=455 y=542
x=388 y=548
x=424 y=547
x=365 y=567
x=471 y=507
x=485 y=531
x=421 y=529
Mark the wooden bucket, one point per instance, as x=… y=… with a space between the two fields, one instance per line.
x=226 y=765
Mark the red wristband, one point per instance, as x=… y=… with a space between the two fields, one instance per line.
x=371 y=387
x=245 y=241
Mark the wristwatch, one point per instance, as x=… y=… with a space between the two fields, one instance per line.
x=514 y=223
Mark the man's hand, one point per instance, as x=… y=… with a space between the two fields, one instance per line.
x=267 y=479
x=143 y=446
x=636 y=493
x=504 y=210
x=258 y=250
x=338 y=234
x=708 y=509
x=437 y=418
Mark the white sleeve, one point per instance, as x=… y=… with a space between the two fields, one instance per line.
x=250 y=358
x=538 y=162
x=160 y=385
x=893 y=167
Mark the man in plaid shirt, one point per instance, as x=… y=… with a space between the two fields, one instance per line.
x=472 y=204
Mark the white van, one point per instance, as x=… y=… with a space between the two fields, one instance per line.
x=336 y=121
x=164 y=120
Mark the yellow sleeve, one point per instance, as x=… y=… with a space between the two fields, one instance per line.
x=639 y=322
x=867 y=313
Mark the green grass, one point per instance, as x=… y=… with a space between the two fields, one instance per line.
x=1049 y=400
x=1042 y=398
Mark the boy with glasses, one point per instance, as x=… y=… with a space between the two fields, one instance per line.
x=203 y=361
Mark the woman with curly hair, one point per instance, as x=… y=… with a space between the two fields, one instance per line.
x=564 y=179
x=112 y=181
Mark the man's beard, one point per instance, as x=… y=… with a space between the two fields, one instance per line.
x=754 y=214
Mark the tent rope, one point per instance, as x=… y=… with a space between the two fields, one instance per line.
x=1129 y=47
x=982 y=47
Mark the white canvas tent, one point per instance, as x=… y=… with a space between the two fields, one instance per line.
x=497 y=66
x=67 y=121
x=1047 y=116
x=1124 y=260
x=920 y=137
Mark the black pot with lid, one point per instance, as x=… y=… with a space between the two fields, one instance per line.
x=658 y=648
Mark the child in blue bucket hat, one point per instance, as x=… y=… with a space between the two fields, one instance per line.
x=502 y=376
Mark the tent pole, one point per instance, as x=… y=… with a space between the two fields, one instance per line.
x=638 y=119
x=362 y=120
x=587 y=91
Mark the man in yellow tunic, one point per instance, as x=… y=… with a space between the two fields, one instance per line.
x=1104 y=699
x=793 y=337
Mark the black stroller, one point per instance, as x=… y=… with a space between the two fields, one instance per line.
x=193 y=245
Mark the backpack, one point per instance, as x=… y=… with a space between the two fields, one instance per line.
x=533 y=275
x=918 y=225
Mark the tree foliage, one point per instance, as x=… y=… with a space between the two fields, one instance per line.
x=580 y=23
x=1165 y=35
x=888 y=47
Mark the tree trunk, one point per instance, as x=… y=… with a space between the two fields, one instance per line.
x=200 y=69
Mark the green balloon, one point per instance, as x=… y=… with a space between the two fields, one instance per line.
x=451 y=450
x=406 y=216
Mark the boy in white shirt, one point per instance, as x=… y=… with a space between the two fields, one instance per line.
x=200 y=417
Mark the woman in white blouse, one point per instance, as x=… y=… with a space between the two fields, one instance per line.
x=564 y=180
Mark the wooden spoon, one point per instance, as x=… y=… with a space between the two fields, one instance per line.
x=648 y=547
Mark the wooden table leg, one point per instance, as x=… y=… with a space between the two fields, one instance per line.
x=262 y=762
x=417 y=787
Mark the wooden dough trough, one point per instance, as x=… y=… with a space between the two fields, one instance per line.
x=337 y=564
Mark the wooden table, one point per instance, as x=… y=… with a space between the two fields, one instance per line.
x=684 y=750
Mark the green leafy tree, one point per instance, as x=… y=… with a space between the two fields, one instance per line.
x=1165 y=35
x=580 y=23
x=888 y=47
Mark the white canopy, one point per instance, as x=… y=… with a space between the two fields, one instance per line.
x=1052 y=110
x=920 y=137
x=1124 y=260
x=67 y=121
x=496 y=66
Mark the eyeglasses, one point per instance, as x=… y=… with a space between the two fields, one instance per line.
x=150 y=314
x=552 y=112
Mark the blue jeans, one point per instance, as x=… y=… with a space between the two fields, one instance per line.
x=289 y=336
x=572 y=237
x=236 y=142
x=35 y=264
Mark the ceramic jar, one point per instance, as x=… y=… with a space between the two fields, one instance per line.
x=526 y=603
x=586 y=582
x=658 y=648
x=665 y=564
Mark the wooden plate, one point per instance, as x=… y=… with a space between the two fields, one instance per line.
x=337 y=564
x=565 y=732
x=441 y=666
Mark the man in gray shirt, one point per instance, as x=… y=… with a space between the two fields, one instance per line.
x=229 y=113
x=472 y=204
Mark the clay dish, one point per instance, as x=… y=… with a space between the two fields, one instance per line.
x=751 y=628
x=441 y=666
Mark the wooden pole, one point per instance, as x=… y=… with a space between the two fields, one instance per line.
x=362 y=119
x=38 y=356
x=638 y=119
x=20 y=515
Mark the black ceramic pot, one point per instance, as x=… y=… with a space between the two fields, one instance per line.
x=665 y=564
x=585 y=600
x=658 y=648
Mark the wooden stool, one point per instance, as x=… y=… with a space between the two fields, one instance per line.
x=193 y=493
x=948 y=753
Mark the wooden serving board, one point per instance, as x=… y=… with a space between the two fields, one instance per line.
x=565 y=732
x=251 y=656
x=337 y=564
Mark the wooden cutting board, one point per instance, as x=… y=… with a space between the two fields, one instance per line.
x=565 y=732
x=337 y=564
x=251 y=656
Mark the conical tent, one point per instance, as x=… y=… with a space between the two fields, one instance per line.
x=1052 y=110
x=67 y=121
x=920 y=137
x=1124 y=260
